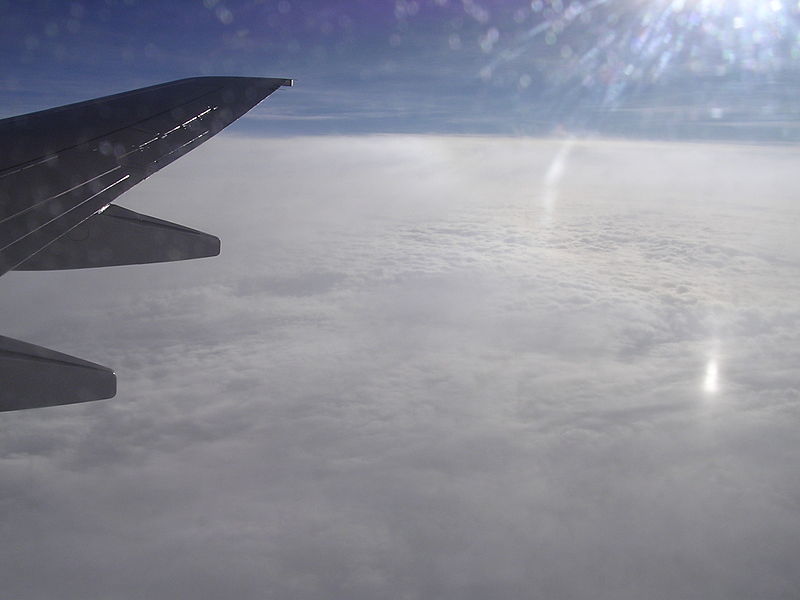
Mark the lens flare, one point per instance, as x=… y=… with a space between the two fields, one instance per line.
x=611 y=48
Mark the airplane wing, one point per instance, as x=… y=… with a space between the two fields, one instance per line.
x=32 y=377
x=61 y=168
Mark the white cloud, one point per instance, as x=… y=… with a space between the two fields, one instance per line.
x=398 y=380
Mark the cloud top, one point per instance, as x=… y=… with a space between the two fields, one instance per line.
x=423 y=367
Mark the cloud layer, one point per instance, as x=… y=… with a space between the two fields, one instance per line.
x=426 y=367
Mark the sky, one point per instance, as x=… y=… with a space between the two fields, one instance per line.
x=471 y=334
x=653 y=68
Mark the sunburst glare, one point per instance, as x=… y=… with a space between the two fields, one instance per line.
x=616 y=46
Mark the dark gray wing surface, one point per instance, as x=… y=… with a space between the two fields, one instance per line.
x=118 y=236
x=33 y=377
x=59 y=171
x=61 y=166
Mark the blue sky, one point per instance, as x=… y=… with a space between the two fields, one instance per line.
x=659 y=68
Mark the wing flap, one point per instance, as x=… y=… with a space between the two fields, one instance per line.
x=33 y=377
x=44 y=228
x=118 y=236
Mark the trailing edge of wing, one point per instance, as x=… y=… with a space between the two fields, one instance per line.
x=118 y=236
x=34 y=377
